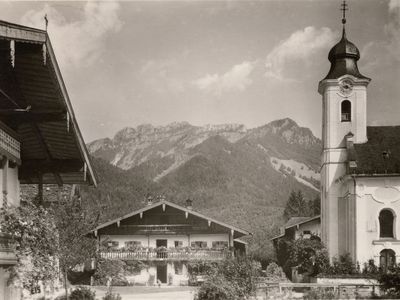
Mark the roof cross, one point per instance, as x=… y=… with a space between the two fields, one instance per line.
x=343 y=8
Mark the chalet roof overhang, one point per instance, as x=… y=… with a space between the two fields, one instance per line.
x=35 y=104
x=237 y=232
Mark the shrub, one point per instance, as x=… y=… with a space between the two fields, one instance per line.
x=82 y=293
x=342 y=266
x=231 y=279
x=370 y=268
x=111 y=296
x=319 y=294
x=114 y=269
x=309 y=255
x=217 y=289
x=390 y=282
x=275 y=273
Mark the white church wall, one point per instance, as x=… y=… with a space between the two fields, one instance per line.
x=373 y=195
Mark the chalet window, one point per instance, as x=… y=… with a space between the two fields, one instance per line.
x=178 y=268
x=198 y=244
x=219 y=244
x=387 y=259
x=113 y=244
x=133 y=244
x=306 y=232
x=346 y=111
x=178 y=244
x=386 y=220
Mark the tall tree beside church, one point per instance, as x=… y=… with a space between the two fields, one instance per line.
x=296 y=206
x=316 y=206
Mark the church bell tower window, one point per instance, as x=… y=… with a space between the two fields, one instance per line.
x=386 y=220
x=346 y=111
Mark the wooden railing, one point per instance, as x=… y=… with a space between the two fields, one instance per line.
x=167 y=254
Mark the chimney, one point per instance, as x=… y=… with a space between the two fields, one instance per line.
x=149 y=200
x=189 y=203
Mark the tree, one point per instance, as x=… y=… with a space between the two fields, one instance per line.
x=309 y=255
x=296 y=206
x=33 y=232
x=315 y=206
x=72 y=223
x=231 y=279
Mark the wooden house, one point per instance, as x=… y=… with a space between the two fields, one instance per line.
x=166 y=237
x=40 y=141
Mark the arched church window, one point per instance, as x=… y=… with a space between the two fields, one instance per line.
x=386 y=219
x=346 y=111
x=387 y=259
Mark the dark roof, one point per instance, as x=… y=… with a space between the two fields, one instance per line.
x=380 y=155
x=297 y=221
x=343 y=57
x=237 y=231
x=294 y=221
x=51 y=142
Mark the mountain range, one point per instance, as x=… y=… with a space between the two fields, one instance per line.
x=238 y=175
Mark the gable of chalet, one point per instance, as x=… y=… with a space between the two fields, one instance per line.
x=34 y=103
x=177 y=218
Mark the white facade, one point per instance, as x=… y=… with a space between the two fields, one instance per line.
x=372 y=195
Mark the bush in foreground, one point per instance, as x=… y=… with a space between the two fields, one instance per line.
x=82 y=293
x=232 y=279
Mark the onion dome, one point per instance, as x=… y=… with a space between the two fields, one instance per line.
x=344 y=56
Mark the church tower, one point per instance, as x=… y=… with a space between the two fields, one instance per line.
x=344 y=119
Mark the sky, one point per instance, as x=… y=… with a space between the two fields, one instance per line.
x=212 y=62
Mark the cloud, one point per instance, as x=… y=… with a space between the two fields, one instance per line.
x=160 y=76
x=300 y=46
x=392 y=28
x=236 y=79
x=79 y=42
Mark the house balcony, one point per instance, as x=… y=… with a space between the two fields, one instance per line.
x=7 y=254
x=185 y=254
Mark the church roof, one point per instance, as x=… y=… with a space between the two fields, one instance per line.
x=380 y=155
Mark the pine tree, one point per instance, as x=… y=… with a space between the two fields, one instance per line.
x=296 y=206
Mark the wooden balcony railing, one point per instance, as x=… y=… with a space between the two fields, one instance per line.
x=166 y=254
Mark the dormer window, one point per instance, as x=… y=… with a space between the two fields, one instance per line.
x=346 y=111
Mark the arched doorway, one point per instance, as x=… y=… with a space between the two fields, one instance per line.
x=387 y=259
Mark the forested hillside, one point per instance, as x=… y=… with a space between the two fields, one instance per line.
x=243 y=177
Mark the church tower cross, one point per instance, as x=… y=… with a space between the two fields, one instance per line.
x=344 y=8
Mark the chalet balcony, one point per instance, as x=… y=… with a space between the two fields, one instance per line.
x=185 y=254
x=7 y=254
